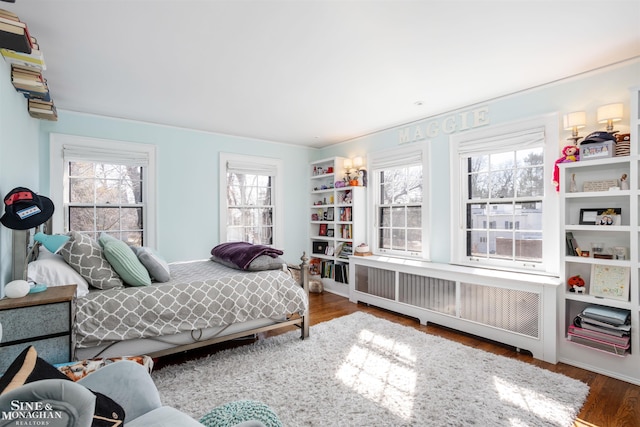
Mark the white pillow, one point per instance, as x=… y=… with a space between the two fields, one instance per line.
x=44 y=253
x=52 y=270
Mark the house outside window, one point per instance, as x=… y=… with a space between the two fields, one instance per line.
x=250 y=210
x=400 y=202
x=104 y=190
x=506 y=206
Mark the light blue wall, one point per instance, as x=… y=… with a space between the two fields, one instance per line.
x=188 y=170
x=18 y=156
x=582 y=93
x=188 y=160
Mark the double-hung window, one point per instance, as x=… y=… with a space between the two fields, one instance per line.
x=399 y=182
x=505 y=205
x=104 y=187
x=250 y=189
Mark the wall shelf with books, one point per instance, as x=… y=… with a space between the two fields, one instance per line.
x=599 y=327
x=22 y=51
x=336 y=222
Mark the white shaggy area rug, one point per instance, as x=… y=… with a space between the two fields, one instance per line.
x=360 y=370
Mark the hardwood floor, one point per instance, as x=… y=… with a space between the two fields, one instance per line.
x=611 y=402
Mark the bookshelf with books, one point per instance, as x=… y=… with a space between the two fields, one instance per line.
x=599 y=327
x=22 y=52
x=337 y=222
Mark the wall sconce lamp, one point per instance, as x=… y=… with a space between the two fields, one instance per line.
x=609 y=114
x=352 y=167
x=574 y=121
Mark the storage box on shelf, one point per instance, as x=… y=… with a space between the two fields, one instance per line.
x=337 y=223
x=607 y=260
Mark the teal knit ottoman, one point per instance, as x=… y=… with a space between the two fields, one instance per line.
x=240 y=411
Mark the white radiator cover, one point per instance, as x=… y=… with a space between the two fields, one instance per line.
x=512 y=308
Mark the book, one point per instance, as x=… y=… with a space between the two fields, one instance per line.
x=9 y=15
x=33 y=89
x=25 y=79
x=12 y=21
x=588 y=333
x=595 y=325
x=29 y=94
x=610 y=315
x=33 y=59
x=15 y=38
x=42 y=110
x=599 y=345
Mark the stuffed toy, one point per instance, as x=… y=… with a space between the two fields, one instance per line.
x=576 y=284
x=570 y=153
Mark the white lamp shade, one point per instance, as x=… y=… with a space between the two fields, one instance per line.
x=576 y=119
x=612 y=112
x=357 y=162
x=347 y=164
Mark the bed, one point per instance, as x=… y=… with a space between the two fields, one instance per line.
x=204 y=301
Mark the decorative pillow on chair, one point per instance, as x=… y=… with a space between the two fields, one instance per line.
x=124 y=261
x=157 y=267
x=28 y=367
x=86 y=257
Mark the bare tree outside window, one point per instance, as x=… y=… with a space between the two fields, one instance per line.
x=106 y=198
x=250 y=208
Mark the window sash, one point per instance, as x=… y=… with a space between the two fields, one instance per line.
x=68 y=148
x=123 y=220
x=540 y=239
x=253 y=213
x=402 y=240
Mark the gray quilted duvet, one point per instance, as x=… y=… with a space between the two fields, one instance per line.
x=200 y=294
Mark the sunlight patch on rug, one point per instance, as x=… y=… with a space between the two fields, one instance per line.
x=382 y=370
x=539 y=404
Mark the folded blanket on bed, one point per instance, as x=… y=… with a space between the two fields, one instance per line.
x=242 y=253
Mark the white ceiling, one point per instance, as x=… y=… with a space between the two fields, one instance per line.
x=314 y=72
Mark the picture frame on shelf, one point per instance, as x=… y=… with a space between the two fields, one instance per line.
x=609 y=281
x=330 y=214
x=322 y=230
x=608 y=219
x=320 y=247
x=589 y=216
x=330 y=232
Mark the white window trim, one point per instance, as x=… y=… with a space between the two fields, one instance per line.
x=424 y=148
x=550 y=251
x=58 y=178
x=263 y=163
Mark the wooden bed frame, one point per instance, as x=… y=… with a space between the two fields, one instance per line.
x=23 y=252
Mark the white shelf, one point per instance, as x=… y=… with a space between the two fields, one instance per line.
x=330 y=199
x=571 y=304
x=598 y=194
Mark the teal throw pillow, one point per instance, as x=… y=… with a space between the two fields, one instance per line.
x=124 y=261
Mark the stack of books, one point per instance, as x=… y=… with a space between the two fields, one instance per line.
x=27 y=63
x=602 y=328
x=29 y=81
x=40 y=109
x=14 y=34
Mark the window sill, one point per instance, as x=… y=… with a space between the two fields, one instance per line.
x=458 y=272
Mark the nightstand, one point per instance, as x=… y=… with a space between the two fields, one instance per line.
x=44 y=320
